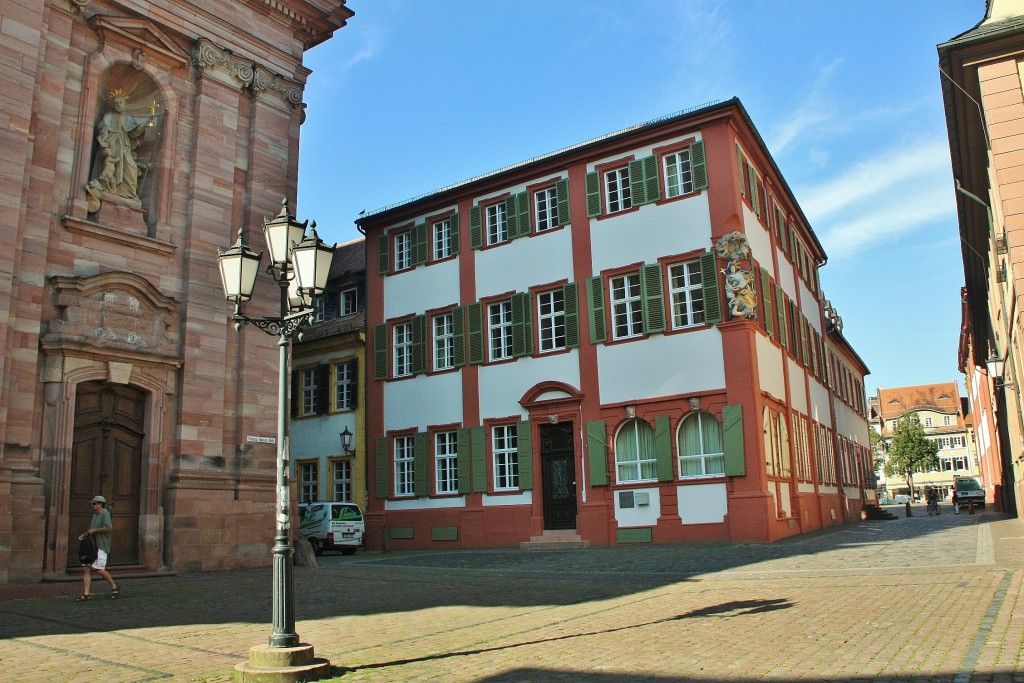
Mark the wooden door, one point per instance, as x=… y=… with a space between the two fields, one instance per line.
x=106 y=460
x=558 y=475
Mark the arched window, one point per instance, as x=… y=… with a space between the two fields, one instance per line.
x=635 y=457
x=700 y=446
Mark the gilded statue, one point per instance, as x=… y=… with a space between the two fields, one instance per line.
x=118 y=135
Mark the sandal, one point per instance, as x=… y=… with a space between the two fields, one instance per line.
x=114 y=592
x=83 y=598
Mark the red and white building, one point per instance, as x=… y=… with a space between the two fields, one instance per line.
x=621 y=342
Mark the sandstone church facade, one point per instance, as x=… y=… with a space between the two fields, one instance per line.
x=136 y=142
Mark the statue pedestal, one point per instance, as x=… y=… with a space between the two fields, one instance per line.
x=121 y=212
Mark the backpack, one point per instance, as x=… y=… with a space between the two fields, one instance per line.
x=87 y=551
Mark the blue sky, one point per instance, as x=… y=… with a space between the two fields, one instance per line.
x=412 y=96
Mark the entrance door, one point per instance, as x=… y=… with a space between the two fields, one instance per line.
x=559 y=475
x=106 y=460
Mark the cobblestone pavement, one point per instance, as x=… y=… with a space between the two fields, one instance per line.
x=911 y=599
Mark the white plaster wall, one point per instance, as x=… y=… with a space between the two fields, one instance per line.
x=413 y=402
x=759 y=239
x=850 y=424
x=661 y=366
x=425 y=503
x=319 y=435
x=638 y=515
x=785 y=278
x=524 y=498
x=819 y=408
x=770 y=368
x=797 y=392
x=422 y=289
x=502 y=385
x=645 y=235
x=810 y=306
x=702 y=504
x=525 y=262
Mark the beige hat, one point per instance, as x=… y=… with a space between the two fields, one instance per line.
x=99 y=499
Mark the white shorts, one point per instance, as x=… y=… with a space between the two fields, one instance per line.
x=101 y=560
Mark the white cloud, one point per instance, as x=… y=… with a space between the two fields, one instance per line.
x=815 y=110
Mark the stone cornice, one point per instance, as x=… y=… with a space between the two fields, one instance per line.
x=207 y=57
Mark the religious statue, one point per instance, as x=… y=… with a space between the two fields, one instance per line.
x=739 y=289
x=118 y=135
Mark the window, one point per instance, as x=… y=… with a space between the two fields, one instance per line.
x=927 y=422
x=444 y=342
x=551 y=320
x=499 y=330
x=958 y=442
x=345 y=386
x=309 y=485
x=403 y=251
x=309 y=389
x=506 y=457
x=947 y=420
x=446 y=463
x=687 y=292
x=497 y=224
x=616 y=185
x=545 y=204
x=404 y=466
x=320 y=309
x=442 y=239
x=945 y=442
x=347 y=302
x=343 y=481
x=403 y=349
x=678 y=177
x=635 y=458
x=700 y=446
x=627 y=307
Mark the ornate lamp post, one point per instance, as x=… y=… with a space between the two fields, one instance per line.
x=299 y=263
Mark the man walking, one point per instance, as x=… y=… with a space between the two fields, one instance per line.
x=100 y=528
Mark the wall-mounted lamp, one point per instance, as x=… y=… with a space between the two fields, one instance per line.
x=346 y=442
x=995 y=366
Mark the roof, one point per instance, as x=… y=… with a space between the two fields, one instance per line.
x=942 y=398
x=335 y=326
x=985 y=30
x=348 y=260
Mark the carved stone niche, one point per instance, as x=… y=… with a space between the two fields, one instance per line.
x=113 y=312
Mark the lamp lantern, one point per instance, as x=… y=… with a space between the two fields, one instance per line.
x=238 y=267
x=312 y=259
x=283 y=233
x=346 y=441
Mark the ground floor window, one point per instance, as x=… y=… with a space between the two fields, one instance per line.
x=446 y=459
x=343 y=481
x=309 y=482
x=635 y=456
x=700 y=446
x=506 y=457
x=404 y=466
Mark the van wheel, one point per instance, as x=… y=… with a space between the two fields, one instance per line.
x=317 y=549
x=348 y=551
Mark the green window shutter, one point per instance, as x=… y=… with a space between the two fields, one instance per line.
x=464 y=459
x=595 y=311
x=475 y=332
x=644 y=183
x=353 y=374
x=523 y=225
x=709 y=283
x=732 y=440
x=767 y=295
x=653 y=298
x=419 y=344
x=570 y=299
x=421 y=464
x=295 y=399
x=453 y=240
x=322 y=396
x=476 y=228
x=597 y=453
x=524 y=454
x=478 y=439
x=754 y=201
x=383 y=467
x=459 y=336
x=780 y=307
x=383 y=256
x=804 y=342
x=593 y=194
x=380 y=351
x=562 y=200
x=522 y=325
x=420 y=251
x=663 y=447
x=698 y=166
x=742 y=176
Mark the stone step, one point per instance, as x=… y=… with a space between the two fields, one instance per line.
x=561 y=539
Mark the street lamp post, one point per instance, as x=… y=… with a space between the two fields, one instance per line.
x=299 y=263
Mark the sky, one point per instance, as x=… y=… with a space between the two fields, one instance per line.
x=412 y=96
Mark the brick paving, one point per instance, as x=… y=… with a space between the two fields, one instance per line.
x=906 y=600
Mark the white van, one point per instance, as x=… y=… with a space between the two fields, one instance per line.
x=332 y=526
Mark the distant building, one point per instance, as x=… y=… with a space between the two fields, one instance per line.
x=137 y=139
x=981 y=89
x=328 y=383
x=621 y=342
x=941 y=412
